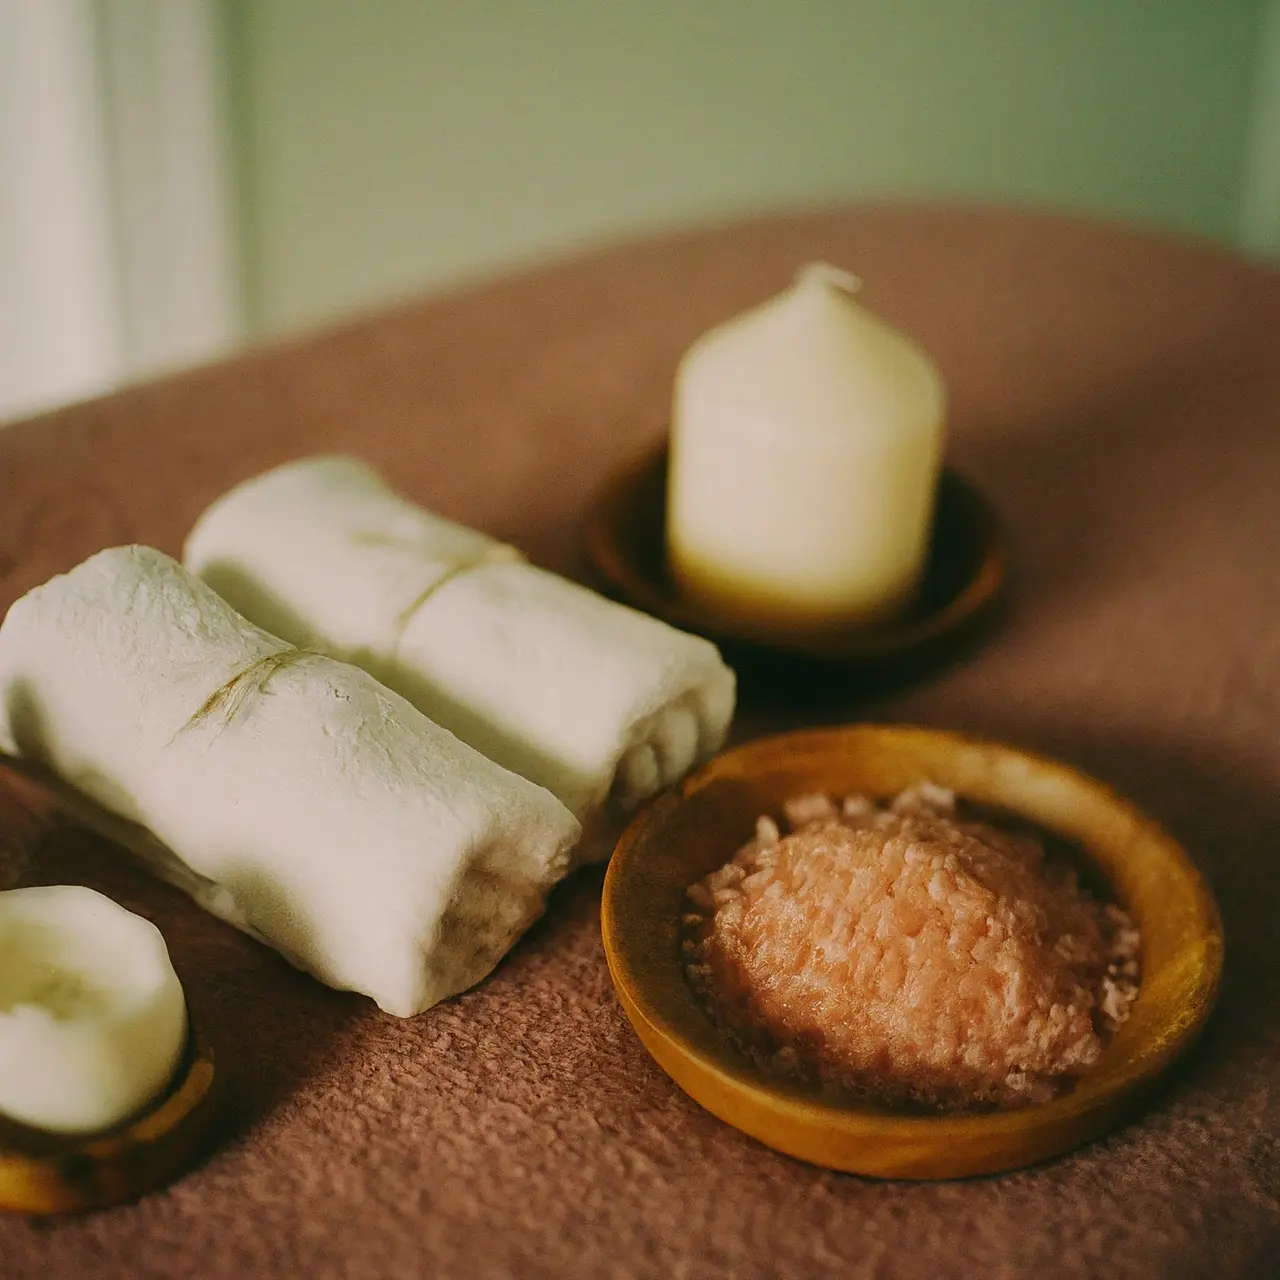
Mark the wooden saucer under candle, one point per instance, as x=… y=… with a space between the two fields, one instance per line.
x=624 y=540
x=47 y=1173
x=698 y=825
x=44 y=1173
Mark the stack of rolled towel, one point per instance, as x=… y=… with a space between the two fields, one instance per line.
x=364 y=734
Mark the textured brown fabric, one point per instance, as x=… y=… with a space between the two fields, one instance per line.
x=1119 y=397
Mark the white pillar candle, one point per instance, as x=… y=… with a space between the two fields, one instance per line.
x=92 y=1017
x=806 y=441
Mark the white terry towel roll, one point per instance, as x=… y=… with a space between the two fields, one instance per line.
x=593 y=701
x=304 y=802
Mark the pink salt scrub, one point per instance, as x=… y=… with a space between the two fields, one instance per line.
x=910 y=954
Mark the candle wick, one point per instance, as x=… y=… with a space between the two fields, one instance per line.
x=833 y=277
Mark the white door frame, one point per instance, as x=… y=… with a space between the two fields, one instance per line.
x=118 y=254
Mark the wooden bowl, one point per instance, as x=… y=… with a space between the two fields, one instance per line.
x=624 y=541
x=697 y=826
x=47 y=1173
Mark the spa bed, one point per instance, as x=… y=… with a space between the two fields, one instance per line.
x=1118 y=397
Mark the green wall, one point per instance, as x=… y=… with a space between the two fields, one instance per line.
x=1260 y=202
x=393 y=144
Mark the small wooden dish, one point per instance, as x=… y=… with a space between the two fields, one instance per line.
x=624 y=541
x=47 y=1173
x=697 y=826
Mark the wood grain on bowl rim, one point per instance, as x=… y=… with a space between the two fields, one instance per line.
x=698 y=825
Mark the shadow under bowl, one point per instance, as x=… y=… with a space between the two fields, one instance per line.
x=701 y=823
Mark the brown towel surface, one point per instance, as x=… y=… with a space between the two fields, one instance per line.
x=1117 y=394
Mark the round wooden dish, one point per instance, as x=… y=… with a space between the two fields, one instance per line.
x=697 y=826
x=624 y=540
x=47 y=1173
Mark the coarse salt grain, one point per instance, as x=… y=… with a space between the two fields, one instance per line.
x=909 y=954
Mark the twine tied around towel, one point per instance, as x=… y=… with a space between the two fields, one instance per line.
x=499 y=553
x=226 y=702
x=494 y=553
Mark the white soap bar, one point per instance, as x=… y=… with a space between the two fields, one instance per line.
x=583 y=696
x=304 y=802
x=92 y=1017
x=806 y=443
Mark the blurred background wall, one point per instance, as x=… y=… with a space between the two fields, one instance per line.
x=355 y=152
x=397 y=142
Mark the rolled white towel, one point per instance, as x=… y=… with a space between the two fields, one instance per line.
x=590 y=699
x=301 y=800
